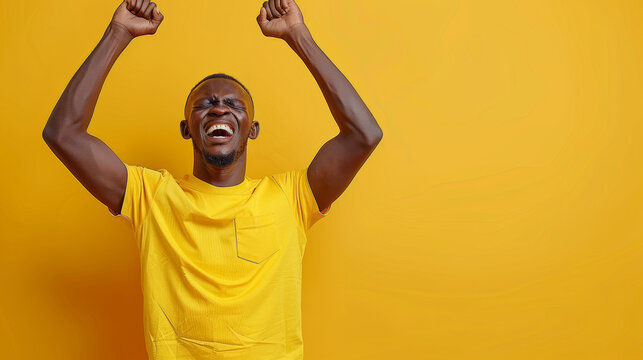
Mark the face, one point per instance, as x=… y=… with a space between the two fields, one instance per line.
x=219 y=101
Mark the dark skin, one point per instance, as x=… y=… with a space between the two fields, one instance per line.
x=98 y=168
x=234 y=108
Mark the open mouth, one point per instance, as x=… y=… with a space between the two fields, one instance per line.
x=222 y=132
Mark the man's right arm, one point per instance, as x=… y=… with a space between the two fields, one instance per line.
x=89 y=159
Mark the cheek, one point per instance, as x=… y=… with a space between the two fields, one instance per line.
x=195 y=129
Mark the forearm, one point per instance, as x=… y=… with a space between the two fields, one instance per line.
x=74 y=109
x=351 y=114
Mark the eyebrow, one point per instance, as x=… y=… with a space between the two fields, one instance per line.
x=222 y=99
x=196 y=105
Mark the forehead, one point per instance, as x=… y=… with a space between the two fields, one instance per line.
x=220 y=87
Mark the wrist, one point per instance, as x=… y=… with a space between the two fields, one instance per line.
x=119 y=33
x=296 y=34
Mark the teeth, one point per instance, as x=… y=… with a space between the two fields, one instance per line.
x=219 y=126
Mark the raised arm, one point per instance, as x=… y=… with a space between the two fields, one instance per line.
x=92 y=162
x=339 y=159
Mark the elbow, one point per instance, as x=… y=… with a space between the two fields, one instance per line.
x=366 y=136
x=55 y=134
x=48 y=135
x=374 y=137
x=49 y=132
x=368 y=139
x=51 y=136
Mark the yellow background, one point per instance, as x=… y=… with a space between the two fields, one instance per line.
x=499 y=218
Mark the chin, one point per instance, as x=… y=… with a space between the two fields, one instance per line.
x=221 y=160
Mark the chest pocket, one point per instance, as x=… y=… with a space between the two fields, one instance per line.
x=256 y=237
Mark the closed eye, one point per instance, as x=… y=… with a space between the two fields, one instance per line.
x=233 y=103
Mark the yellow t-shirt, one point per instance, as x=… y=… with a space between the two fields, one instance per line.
x=221 y=266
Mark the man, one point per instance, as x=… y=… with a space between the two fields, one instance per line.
x=221 y=253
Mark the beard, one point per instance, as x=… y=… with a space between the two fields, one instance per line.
x=221 y=160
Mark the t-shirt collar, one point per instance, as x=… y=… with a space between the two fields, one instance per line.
x=195 y=183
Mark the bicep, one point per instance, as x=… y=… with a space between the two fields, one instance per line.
x=95 y=166
x=334 y=167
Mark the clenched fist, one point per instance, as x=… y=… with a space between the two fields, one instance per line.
x=139 y=17
x=277 y=18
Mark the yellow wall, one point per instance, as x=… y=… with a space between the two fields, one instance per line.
x=501 y=216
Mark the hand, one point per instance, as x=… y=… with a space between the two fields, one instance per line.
x=277 y=18
x=139 y=17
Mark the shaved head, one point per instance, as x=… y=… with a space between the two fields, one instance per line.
x=218 y=76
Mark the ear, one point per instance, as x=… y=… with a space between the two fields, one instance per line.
x=254 y=130
x=185 y=129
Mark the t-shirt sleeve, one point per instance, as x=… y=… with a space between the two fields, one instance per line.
x=297 y=188
x=142 y=185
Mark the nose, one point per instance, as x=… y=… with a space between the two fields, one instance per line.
x=219 y=110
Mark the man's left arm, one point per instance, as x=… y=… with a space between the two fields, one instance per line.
x=339 y=159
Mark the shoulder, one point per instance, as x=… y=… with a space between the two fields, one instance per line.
x=288 y=177
x=148 y=170
x=147 y=175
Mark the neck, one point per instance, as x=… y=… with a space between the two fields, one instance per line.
x=231 y=175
